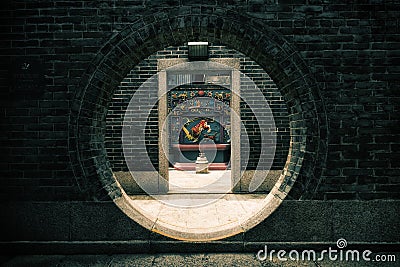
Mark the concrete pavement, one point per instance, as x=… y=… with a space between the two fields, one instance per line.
x=192 y=259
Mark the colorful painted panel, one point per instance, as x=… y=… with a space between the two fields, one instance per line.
x=189 y=105
x=198 y=129
x=192 y=98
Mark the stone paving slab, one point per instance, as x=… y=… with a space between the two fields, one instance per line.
x=150 y=260
x=191 y=182
x=220 y=213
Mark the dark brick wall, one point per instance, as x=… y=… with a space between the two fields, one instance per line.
x=351 y=49
x=147 y=68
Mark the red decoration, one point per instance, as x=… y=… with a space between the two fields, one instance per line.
x=201 y=93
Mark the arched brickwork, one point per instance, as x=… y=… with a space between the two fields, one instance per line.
x=187 y=23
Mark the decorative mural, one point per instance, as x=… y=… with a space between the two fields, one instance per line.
x=202 y=128
x=198 y=112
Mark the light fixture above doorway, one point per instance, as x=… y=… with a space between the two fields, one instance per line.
x=197 y=51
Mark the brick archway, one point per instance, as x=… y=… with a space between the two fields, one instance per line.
x=171 y=27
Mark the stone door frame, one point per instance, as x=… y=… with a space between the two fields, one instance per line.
x=165 y=65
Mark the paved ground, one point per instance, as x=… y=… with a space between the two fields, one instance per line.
x=146 y=260
x=197 y=206
x=190 y=182
x=199 y=213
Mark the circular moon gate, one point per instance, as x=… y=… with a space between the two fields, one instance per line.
x=269 y=49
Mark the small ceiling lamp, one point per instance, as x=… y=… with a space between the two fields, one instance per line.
x=198 y=51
